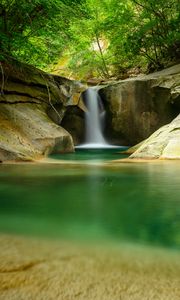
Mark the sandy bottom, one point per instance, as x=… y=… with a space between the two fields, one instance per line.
x=52 y=270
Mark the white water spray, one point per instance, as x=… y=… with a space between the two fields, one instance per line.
x=94 y=121
x=94 y=118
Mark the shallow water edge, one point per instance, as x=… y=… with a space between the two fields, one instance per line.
x=46 y=269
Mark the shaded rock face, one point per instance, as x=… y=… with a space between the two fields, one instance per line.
x=74 y=123
x=139 y=106
x=32 y=106
x=164 y=143
x=70 y=113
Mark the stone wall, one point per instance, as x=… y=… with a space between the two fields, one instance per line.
x=137 y=107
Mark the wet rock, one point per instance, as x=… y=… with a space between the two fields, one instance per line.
x=138 y=106
x=33 y=104
x=27 y=133
x=57 y=270
x=164 y=143
x=74 y=123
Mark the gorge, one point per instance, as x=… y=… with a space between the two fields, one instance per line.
x=135 y=109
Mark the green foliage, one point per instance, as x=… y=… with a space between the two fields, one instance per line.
x=156 y=30
x=35 y=31
x=132 y=33
x=88 y=44
x=102 y=38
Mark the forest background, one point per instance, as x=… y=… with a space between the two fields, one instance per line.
x=83 y=39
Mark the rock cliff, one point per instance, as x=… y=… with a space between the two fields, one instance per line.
x=41 y=113
x=137 y=107
x=32 y=105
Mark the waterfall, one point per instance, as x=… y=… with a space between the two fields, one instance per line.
x=94 y=121
x=94 y=118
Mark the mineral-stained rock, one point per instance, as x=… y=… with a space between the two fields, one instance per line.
x=137 y=107
x=164 y=143
x=27 y=133
x=32 y=106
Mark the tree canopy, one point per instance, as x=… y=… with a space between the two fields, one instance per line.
x=91 y=38
x=36 y=31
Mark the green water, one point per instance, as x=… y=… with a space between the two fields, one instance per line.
x=138 y=203
x=95 y=155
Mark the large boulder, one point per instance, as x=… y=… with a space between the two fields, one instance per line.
x=164 y=143
x=32 y=106
x=138 y=106
x=26 y=133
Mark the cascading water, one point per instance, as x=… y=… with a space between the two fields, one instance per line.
x=95 y=117
x=94 y=121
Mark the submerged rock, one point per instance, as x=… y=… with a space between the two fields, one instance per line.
x=138 y=106
x=164 y=143
x=57 y=270
x=33 y=104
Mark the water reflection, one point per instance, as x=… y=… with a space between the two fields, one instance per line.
x=135 y=202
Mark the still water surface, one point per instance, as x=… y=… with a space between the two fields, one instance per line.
x=137 y=203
